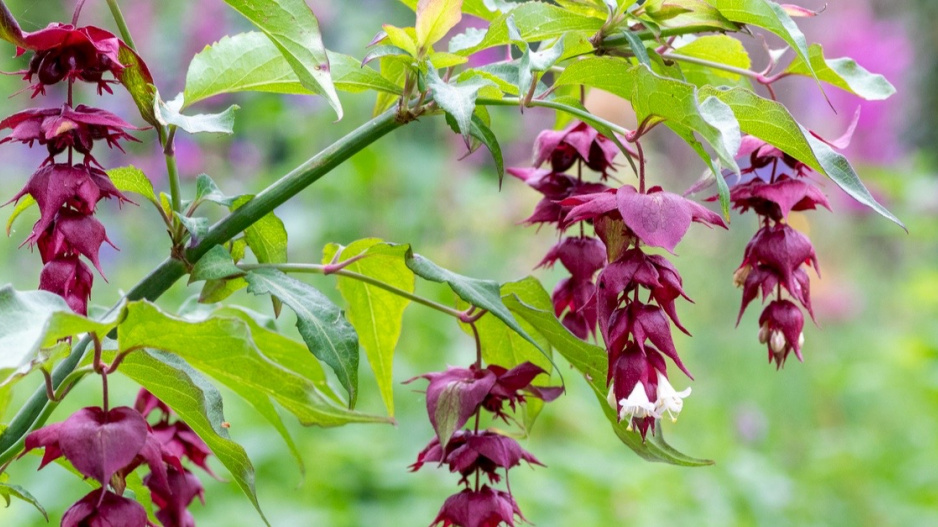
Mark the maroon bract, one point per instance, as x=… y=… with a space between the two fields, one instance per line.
x=179 y=440
x=575 y=300
x=146 y=402
x=581 y=256
x=107 y=510
x=174 y=496
x=482 y=508
x=468 y=452
x=63 y=51
x=777 y=199
x=69 y=278
x=780 y=329
x=579 y=141
x=72 y=233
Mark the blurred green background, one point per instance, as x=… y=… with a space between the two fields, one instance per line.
x=850 y=437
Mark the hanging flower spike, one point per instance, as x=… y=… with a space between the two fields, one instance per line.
x=72 y=233
x=633 y=386
x=63 y=51
x=482 y=508
x=780 y=329
x=575 y=301
x=180 y=441
x=578 y=141
x=174 y=497
x=468 y=452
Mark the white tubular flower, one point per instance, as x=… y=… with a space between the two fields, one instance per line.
x=636 y=405
x=669 y=400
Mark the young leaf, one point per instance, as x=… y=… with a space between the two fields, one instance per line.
x=224 y=349
x=484 y=294
x=196 y=226
x=536 y=61
x=434 y=20
x=207 y=190
x=376 y=314
x=843 y=73
x=321 y=324
x=168 y=113
x=8 y=491
x=197 y=402
x=217 y=264
x=458 y=100
x=22 y=206
x=33 y=321
x=721 y=49
x=405 y=39
x=535 y=21
x=686 y=13
x=132 y=179
x=294 y=29
x=591 y=361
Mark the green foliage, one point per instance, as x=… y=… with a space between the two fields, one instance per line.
x=169 y=114
x=535 y=21
x=8 y=491
x=843 y=73
x=294 y=29
x=22 y=206
x=132 y=179
x=434 y=20
x=375 y=313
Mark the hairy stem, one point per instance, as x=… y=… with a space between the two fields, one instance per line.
x=166 y=274
x=325 y=269
x=121 y=24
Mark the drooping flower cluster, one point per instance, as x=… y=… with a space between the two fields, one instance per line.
x=637 y=333
x=455 y=396
x=107 y=445
x=67 y=192
x=775 y=261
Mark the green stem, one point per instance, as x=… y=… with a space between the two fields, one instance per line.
x=324 y=269
x=172 y=173
x=717 y=66
x=121 y=23
x=171 y=270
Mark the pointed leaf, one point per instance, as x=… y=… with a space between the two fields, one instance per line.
x=843 y=73
x=207 y=190
x=197 y=402
x=458 y=100
x=434 y=20
x=168 y=113
x=8 y=491
x=320 y=322
x=535 y=21
x=132 y=179
x=217 y=264
x=375 y=313
x=224 y=349
x=294 y=29
x=721 y=49
x=484 y=294
x=22 y=206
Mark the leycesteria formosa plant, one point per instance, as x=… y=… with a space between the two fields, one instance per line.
x=675 y=65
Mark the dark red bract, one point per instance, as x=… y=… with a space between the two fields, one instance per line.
x=579 y=141
x=107 y=510
x=468 y=452
x=64 y=52
x=482 y=508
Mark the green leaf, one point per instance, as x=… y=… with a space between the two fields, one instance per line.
x=197 y=402
x=720 y=49
x=137 y=80
x=132 y=179
x=770 y=16
x=22 y=206
x=770 y=121
x=321 y=323
x=686 y=13
x=294 y=29
x=7 y=490
x=843 y=73
x=207 y=190
x=536 y=61
x=217 y=290
x=484 y=294
x=267 y=237
x=168 y=113
x=34 y=321
x=217 y=264
x=483 y=133
x=223 y=348
x=434 y=20
x=591 y=361
x=638 y=47
x=351 y=76
x=535 y=21
x=376 y=314
x=10 y=31
x=405 y=39
x=197 y=227
x=458 y=100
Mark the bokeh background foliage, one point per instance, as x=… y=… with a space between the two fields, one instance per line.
x=848 y=438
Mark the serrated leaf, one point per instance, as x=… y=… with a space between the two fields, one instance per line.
x=223 y=348
x=770 y=16
x=34 y=321
x=132 y=179
x=321 y=324
x=22 y=206
x=216 y=264
x=168 y=113
x=8 y=491
x=136 y=78
x=434 y=20
x=294 y=29
x=458 y=100
x=843 y=73
x=251 y=62
x=770 y=121
x=535 y=21
x=197 y=402
x=376 y=314
x=591 y=361
x=484 y=294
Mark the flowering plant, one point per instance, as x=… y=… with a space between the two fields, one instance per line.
x=611 y=319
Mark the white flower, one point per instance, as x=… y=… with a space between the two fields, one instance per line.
x=669 y=400
x=636 y=405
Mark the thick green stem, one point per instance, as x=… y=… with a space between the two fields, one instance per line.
x=121 y=23
x=324 y=269
x=171 y=270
